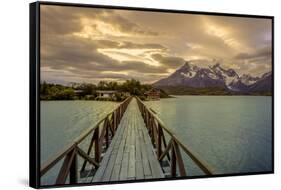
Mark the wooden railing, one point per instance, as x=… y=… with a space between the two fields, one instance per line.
x=101 y=135
x=171 y=150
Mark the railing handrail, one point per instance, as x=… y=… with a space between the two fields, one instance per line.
x=49 y=163
x=200 y=163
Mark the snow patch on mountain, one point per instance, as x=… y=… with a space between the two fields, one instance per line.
x=248 y=79
x=189 y=74
x=213 y=76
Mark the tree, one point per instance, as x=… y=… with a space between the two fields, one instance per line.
x=87 y=89
x=102 y=85
x=133 y=86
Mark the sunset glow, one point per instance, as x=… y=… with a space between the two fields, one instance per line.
x=88 y=45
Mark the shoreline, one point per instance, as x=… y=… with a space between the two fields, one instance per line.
x=172 y=96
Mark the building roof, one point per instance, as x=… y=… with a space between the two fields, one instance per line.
x=78 y=91
x=106 y=91
x=152 y=90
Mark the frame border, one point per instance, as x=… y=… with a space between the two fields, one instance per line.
x=34 y=82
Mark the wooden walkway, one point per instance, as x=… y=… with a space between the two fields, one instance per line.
x=130 y=155
x=120 y=148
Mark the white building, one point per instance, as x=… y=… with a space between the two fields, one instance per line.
x=106 y=93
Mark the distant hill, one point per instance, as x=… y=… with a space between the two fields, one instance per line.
x=214 y=80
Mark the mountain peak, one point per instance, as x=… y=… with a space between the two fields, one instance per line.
x=267 y=74
x=186 y=63
x=217 y=65
x=185 y=67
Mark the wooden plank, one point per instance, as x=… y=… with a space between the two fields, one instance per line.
x=145 y=162
x=104 y=165
x=128 y=162
x=139 y=158
x=111 y=162
x=132 y=163
x=124 y=167
x=120 y=151
x=99 y=174
x=154 y=164
x=117 y=166
x=110 y=167
x=139 y=170
x=132 y=155
x=115 y=172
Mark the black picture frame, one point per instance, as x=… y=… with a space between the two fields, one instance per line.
x=34 y=98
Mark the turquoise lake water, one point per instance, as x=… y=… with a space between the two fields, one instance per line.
x=232 y=134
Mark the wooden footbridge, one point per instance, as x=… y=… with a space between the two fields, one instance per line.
x=130 y=143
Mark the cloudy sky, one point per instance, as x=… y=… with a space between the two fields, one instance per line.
x=89 y=45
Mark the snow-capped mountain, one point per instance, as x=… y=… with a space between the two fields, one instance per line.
x=193 y=76
x=263 y=84
x=230 y=77
x=248 y=79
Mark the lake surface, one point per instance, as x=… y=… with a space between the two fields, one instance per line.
x=231 y=134
x=63 y=121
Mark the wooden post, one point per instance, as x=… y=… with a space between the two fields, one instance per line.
x=151 y=129
x=165 y=144
x=111 y=125
x=159 y=143
x=179 y=159
x=146 y=118
x=73 y=170
x=173 y=163
x=97 y=147
x=114 y=121
x=155 y=131
x=69 y=165
x=88 y=152
x=119 y=114
x=120 y=110
x=106 y=137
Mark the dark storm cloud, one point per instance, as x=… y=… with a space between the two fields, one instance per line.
x=262 y=52
x=125 y=26
x=142 y=67
x=72 y=52
x=168 y=61
x=79 y=55
x=56 y=21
